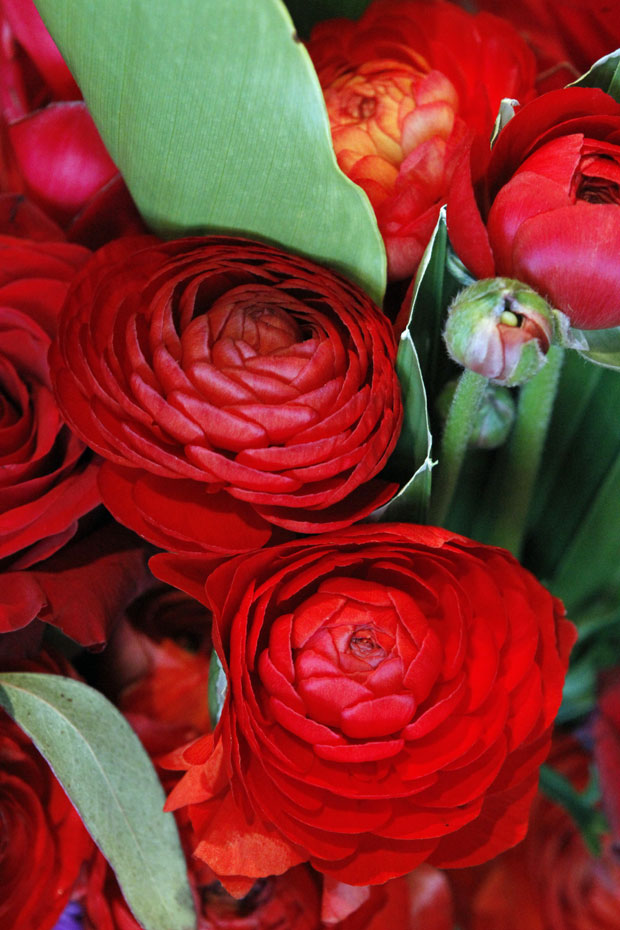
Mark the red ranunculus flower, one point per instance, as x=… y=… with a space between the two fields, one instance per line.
x=51 y=149
x=402 y=86
x=231 y=386
x=391 y=696
x=544 y=205
x=551 y=881
x=47 y=476
x=567 y=36
x=43 y=842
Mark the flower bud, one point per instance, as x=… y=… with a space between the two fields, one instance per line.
x=493 y=419
x=500 y=328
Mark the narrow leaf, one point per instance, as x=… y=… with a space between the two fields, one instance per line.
x=603 y=346
x=215 y=116
x=100 y=763
x=604 y=74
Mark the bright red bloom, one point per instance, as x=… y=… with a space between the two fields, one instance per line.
x=47 y=476
x=402 y=86
x=391 y=696
x=544 y=205
x=551 y=881
x=567 y=36
x=44 y=842
x=51 y=149
x=231 y=386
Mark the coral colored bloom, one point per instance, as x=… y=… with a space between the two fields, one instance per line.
x=231 y=386
x=544 y=205
x=391 y=694
x=402 y=86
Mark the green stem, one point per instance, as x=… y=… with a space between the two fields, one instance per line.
x=590 y=821
x=520 y=461
x=467 y=398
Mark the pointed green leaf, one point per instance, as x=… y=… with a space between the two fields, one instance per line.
x=306 y=13
x=414 y=444
x=218 y=688
x=214 y=114
x=603 y=346
x=604 y=74
x=504 y=115
x=101 y=764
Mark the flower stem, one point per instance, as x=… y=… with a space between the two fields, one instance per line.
x=520 y=462
x=467 y=398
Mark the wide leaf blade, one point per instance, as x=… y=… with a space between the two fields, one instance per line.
x=108 y=776
x=215 y=116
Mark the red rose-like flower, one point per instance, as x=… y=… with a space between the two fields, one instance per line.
x=544 y=205
x=51 y=149
x=231 y=386
x=551 y=881
x=391 y=696
x=47 y=476
x=43 y=841
x=402 y=86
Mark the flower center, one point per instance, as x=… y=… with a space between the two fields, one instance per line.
x=363 y=644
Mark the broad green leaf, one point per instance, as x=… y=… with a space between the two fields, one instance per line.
x=604 y=74
x=108 y=776
x=214 y=114
x=306 y=13
x=603 y=346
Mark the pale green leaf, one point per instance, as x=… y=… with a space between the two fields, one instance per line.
x=604 y=74
x=603 y=346
x=214 y=114
x=101 y=764
x=218 y=688
x=504 y=115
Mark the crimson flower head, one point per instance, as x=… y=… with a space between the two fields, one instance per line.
x=391 y=693
x=231 y=387
x=544 y=205
x=403 y=87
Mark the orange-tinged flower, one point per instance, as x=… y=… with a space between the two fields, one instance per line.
x=401 y=87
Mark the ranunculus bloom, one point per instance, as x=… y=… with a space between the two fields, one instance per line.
x=391 y=694
x=231 y=386
x=401 y=87
x=551 y=881
x=47 y=475
x=567 y=36
x=544 y=205
x=44 y=842
x=51 y=149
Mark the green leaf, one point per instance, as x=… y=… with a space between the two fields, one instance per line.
x=306 y=13
x=603 y=346
x=413 y=449
x=573 y=537
x=214 y=114
x=604 y=74
x=218 y=688
x=101 y=764
x=590 y=821
x=504 y=115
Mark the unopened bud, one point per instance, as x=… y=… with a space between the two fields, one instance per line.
x=493 y=418
x=500 y=328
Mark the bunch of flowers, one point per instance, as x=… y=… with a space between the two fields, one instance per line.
x=309 y=345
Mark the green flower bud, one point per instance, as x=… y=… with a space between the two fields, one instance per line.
x=493 y=419
x=500 y=328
